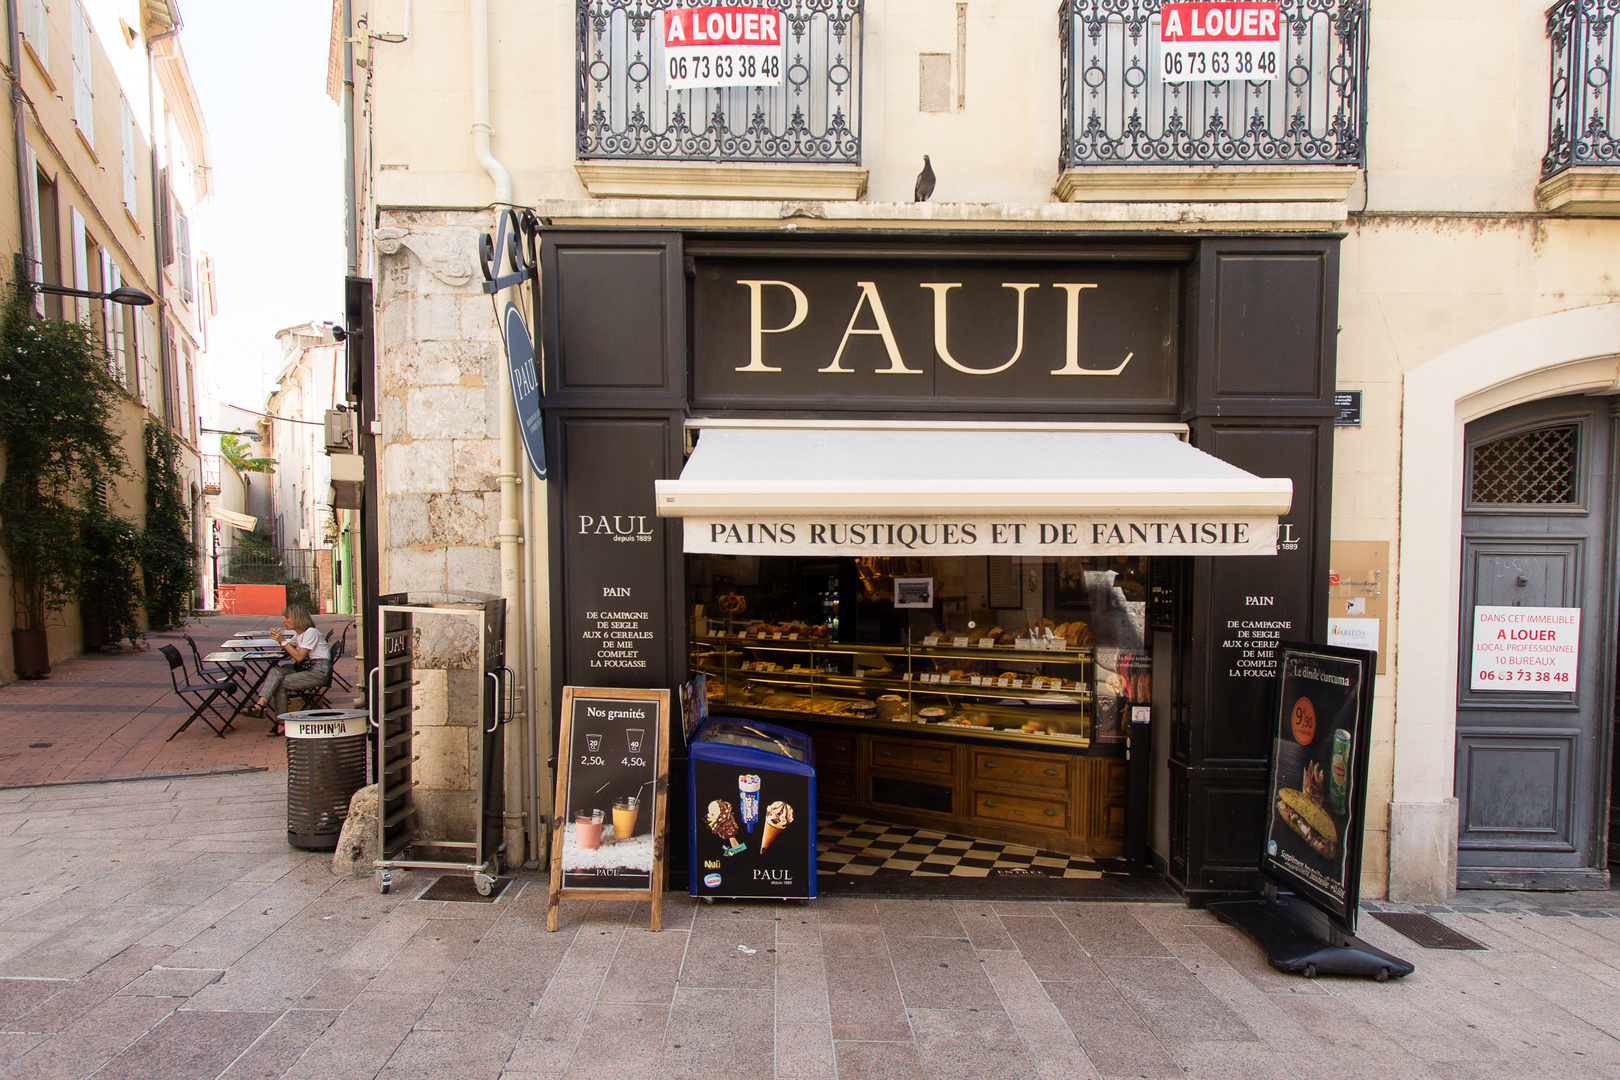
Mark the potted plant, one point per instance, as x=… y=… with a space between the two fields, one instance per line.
x=56 y=409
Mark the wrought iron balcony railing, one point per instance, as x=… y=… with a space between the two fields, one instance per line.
x=1582 y=128
x=1118 y=110
x=627 y=113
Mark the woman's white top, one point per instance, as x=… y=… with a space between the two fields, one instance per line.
x=313 y=640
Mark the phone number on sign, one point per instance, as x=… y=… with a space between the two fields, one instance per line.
x=1522 y=675
x=709 y=69
x=1215 y=62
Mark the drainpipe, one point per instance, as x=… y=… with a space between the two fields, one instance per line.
x=511 y=534
x=25 y=183
x=351 y=231
x=480 y=125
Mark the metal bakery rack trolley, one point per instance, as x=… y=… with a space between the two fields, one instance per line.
x=480 y=637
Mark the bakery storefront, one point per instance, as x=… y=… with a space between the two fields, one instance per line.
x=1008 y=525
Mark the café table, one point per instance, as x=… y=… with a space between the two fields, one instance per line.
x=251 y=644
x=257 y=661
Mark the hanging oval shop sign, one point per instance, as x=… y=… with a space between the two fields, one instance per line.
x=525 y=387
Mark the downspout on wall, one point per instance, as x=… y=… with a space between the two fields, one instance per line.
x=511 y=534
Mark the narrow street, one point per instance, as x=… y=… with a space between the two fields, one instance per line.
x=110 y=715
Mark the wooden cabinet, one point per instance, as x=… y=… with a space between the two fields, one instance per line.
x=912 y=755
x=1065 y=802
x=994 y=769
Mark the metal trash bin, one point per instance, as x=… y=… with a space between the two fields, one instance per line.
x=326 y=765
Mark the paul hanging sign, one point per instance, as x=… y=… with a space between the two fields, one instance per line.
x=983 y=536
x=1213 y=42
x=722 y=46
x=898 y=329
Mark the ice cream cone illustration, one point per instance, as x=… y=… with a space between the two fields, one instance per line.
x=778 y=816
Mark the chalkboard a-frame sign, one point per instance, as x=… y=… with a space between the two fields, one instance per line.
x=608 y=824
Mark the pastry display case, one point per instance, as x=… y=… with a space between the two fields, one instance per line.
x=1037 y=689
x=984 y=697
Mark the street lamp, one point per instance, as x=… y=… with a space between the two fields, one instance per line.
x=124 y=294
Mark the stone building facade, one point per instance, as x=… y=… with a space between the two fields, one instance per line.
x=1475 y=276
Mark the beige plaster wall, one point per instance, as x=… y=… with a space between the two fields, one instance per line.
x=1449 y=246
x=1413 y=287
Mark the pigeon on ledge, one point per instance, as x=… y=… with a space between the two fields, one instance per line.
x=925 y=182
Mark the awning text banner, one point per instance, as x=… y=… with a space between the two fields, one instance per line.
x=1005 y=535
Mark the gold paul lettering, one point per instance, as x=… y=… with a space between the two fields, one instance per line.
x=756 y=319
x=942 y=329
x=1071 y=341
x=869 y=296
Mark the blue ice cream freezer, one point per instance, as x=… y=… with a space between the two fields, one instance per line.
x=752 y=797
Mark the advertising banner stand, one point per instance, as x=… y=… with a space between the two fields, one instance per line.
x=609 y=825
x=1315 y=819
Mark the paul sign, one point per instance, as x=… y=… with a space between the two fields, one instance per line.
x=901 y=329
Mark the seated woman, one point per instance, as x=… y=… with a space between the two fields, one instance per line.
x=311 y=667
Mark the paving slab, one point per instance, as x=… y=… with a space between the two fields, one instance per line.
x=251 y=961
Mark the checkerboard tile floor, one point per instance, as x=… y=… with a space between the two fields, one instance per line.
x=852 y=845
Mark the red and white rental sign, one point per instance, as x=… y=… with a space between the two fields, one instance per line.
x=722 y=46
x=1210 y=42
x=1526 y=648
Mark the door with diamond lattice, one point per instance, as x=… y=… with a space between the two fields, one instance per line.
x=1532 y=761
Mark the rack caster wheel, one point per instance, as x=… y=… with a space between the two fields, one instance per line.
x=385 y=881
x=484 y=883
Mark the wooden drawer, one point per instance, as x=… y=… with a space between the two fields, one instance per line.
x=913 y=756
x=1047 y=771
x=1021 y=809
x=835 y=748
x=835 y=784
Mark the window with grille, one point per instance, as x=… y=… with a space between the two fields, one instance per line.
x=1532 y=467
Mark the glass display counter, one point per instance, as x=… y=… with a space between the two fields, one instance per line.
x=1038 y=690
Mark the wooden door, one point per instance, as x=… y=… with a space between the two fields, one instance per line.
x=1532 y=767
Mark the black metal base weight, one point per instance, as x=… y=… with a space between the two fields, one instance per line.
x=1300 y=940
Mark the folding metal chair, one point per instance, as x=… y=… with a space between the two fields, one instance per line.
x=223 y=668
x=339 y=647
x=200 y=695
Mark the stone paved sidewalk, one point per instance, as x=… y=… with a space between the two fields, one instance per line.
x=111 y=714
x=162 y=929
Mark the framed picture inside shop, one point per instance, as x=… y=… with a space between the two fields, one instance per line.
x=609 y=819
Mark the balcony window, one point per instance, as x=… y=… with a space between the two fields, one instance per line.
x=1120 y=110
x=628 y=113
x=1579 y=171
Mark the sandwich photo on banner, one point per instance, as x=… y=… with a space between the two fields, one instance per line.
x=1313 y=772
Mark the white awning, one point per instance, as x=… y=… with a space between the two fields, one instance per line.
x=245 y=522
x=758 y=487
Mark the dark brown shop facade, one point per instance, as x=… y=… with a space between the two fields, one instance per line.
x=973 y=512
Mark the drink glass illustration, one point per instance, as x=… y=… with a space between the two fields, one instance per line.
x=588 y=828
x=593 y=743
x=633 y=736
x=625 y=811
